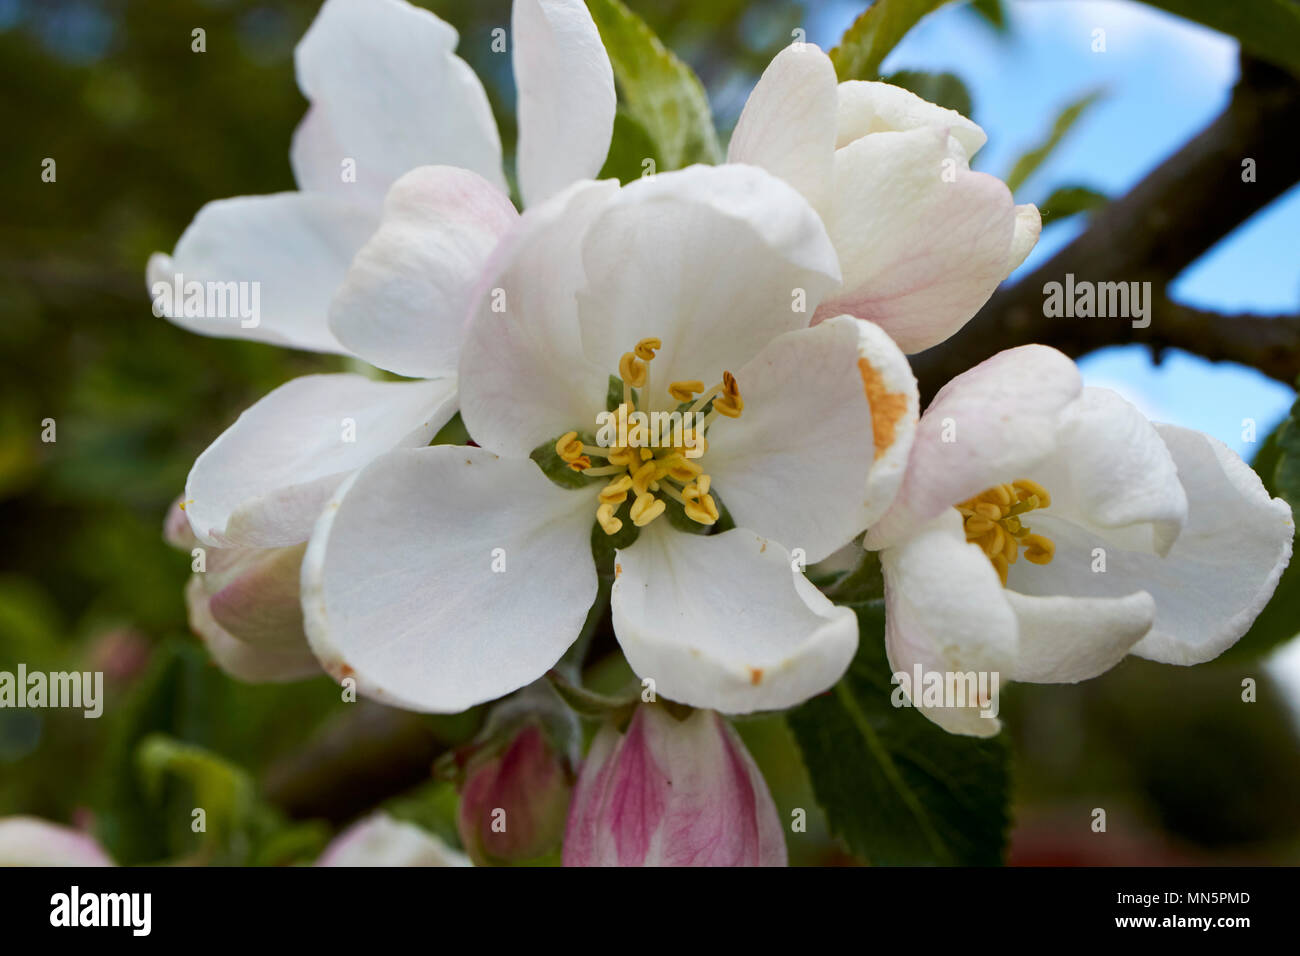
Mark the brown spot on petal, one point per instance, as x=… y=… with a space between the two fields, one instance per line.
x=618 y=569
x=756 y=675
x=886 y=407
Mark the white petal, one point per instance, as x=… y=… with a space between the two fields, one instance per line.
x=407 y=297
x=30 y=841
x=946 y=612
x=1113 y=475
x=381 y=840
x=1069 y=639
x=381 y=75
x=923 y=240
x=725 y=622
x=873 y=107
x=566 y=96
x=788 y=124
x=250 y=663
x=792 y=466
x=525 y=378
x=264 y=481
x=991 y=424
x=713 y=260
x=1225 y=565
x=1029 y=225
x=400 y=589
x=281 y=257
x=895 y=402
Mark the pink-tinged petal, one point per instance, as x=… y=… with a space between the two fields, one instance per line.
x=791 y=467
x=407 y=297
x=381 y=840
x=262 y=268
x=872 y=107
x=727 y=621
x=30 y=841
x=672 y=792
x=263 y=482
x=1029 y=225
x=525 y=379
x=389 y=94
x=923 y=241
x=440 y=578
x=251 y=663
x=991 y=424
x=176 y=527
x=514 y=802
x=947 y=614
x=788 y=124
x=715 y=261
x=566 y=96
x=253 y=594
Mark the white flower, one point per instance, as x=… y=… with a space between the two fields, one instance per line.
x=1045 y=530
x=381 y=840
x=388 y=93
x=30 y=841
x=922 y=240
x=443 y=577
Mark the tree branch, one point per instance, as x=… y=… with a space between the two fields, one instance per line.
x=1165 y=223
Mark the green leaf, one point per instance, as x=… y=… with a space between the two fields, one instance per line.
x=1067 y=201
x=1065 y=120
x=660 y=92
x=877 y=31
x=1270 y=29
x=1286 y=473
x=944 y=89
x=991 y=11
x=629 y=150
x=898 y=788
x=223 y=791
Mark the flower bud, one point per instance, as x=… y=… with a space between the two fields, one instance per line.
x=514 y=801
x=381 y=840
x=670 y=792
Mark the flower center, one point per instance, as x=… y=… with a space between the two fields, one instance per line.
x=656 y=453
x=993 y=520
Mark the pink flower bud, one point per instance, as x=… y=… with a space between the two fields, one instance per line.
x=671 y=792
x=514 y=802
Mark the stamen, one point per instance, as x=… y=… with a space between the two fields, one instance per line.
x=682 y=391
x=568 y=447
x=645 y=509
x=605 y=518
x=992 y=520
x=631 y=370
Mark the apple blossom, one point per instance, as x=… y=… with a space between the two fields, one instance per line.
x=1135 y=538
x=30 y=841
x=244 y=605
x=672 y=792
x=922 y=240
x=443 y=577
x=381 y=840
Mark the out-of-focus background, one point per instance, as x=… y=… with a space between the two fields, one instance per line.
x=143 y=131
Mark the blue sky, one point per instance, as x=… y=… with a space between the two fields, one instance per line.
x=1165 y=78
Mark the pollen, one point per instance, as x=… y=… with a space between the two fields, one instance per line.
x=993 y=519
x=643 y=469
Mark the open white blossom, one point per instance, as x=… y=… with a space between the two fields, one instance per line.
x=1045 y=530
x=443 y=577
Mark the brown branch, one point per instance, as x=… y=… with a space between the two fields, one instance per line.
x=1165 y=223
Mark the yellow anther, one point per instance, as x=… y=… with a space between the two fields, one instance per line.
x=623 y=456
x=703 y=511
x=685 y=391
x=642 y=477
x=605 y=518
x=646 y=348
x=616 y=491
x=729 y=403
x=569 y=447
x=1038 y=549
x=703 y=483
x=992 y=520
x=646 y=454
x=680 y=469
x=631 y=370
x=645 y=509
x=1035 y=489
x=581 y=463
